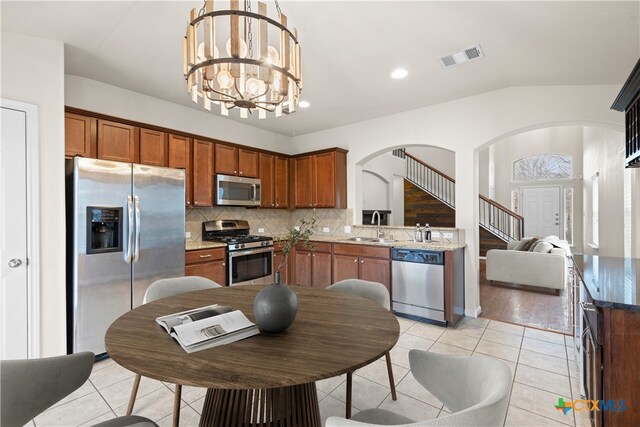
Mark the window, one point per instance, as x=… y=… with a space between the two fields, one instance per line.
x=543 y=167
x=595 y=217
x=568 y=215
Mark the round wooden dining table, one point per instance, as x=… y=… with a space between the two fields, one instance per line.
x=265 y=380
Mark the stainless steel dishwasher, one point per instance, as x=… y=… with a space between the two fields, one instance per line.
x=418 y=284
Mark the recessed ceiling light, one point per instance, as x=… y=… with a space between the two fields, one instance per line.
x=399 y=73
x=304 y=104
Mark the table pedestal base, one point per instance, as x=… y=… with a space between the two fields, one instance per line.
x=273 y=407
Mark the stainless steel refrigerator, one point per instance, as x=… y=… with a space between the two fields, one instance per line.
x=125 y=229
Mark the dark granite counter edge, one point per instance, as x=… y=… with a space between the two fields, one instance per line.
x=597 y=302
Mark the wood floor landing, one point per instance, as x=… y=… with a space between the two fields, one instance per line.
x=524 y=307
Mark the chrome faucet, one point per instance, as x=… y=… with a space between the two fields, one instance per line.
x=373 y=218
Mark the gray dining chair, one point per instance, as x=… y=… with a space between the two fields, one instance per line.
x=164 y=288
x=30 y=387
x=475 y=389
x=379 y=294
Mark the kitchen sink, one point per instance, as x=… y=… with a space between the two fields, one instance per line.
x=363 y=239
x=370 y=239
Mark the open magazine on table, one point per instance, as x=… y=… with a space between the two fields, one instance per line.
x=207 y=327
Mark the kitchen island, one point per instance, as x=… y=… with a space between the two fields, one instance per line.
x=607 y=332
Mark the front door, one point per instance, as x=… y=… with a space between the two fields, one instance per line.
x=14 y=338
x=541 y=211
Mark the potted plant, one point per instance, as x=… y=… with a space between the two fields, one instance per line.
x=276 y=305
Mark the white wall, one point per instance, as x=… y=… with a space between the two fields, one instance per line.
x=102 y=98
x=443 y=160
x=497 y=115
x=33 y=72
x=555 y=140
x=392 y=170
x=375 y=191
x=498 y=173
x=603 y=154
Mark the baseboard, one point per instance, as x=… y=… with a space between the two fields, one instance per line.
x=470 y=312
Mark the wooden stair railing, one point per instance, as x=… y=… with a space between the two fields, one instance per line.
x=501 y=221
x=495 y=218
x=431 y=180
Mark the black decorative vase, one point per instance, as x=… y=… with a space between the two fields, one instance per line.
x=275 y=307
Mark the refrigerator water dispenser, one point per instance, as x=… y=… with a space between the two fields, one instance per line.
x=104 y=230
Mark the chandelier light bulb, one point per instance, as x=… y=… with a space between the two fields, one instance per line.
x=273 y=57
x=275 y=86
x=200 y=52
x=253 y=86
x=225 y=80
x=243 y=48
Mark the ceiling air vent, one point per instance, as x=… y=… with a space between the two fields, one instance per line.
x=460 y=57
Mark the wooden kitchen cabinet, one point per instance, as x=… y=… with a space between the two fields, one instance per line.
x=303 y=182
x=117 y=141
x=320 y=180
x=209 y=263
x=236 y=161
x=274 y=180
x=363 y=262
x=153 y=147
x=80 y=135
x=202 y=173
x=179 y=157
x=248 y=163
x=226 y=159
x=313 y=268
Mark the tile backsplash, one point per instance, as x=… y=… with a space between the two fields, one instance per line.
x=274 y=221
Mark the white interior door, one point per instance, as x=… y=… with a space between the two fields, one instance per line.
x=14 y=325
x=541 y=211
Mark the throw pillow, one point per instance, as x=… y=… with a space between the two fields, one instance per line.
x=521 y=243
x=529 y=245
x=542 y=247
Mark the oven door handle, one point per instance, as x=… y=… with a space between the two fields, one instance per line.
x=250 y=252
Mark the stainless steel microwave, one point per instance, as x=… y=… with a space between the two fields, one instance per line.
x=237 y=191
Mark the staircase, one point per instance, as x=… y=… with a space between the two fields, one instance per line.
x=498 y=224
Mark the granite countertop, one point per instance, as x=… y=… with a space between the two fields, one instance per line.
x=191 y=245
x=408 y=244
x=611 y=282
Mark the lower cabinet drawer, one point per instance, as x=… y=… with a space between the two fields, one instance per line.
x=204 y=255
x=209 y=263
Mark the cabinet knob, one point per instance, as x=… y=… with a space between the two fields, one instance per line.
x=188 y=203
x=224 y=264
x=273 y=204
x=355 y=260
x=361 y=261
x=308 y=254
x=195 y=203
x=235 y=172
x=310 y=204
x=240 y=172
x=277 y=205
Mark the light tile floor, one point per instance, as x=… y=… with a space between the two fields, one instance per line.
x=542 y=364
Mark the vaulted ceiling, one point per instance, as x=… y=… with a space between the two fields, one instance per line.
x=349 y=48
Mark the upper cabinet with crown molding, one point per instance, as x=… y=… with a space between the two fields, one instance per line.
x=232 y=160
x=320 y=179
x=274 y=178
x=628 y=100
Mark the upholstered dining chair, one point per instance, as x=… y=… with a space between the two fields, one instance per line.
x=29 y=387
x=164 y=288
x=379 y=294
x=474 y=388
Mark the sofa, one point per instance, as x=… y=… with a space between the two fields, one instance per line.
x=532 y=262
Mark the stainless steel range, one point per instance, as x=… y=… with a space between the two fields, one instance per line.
x=250 y=257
